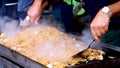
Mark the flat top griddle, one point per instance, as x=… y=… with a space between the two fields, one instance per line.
x=110 y=50
x=25 y=62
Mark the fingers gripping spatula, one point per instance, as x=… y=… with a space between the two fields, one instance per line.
x=25 y=22
x=88 y=46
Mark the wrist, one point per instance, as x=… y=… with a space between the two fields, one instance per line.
x=107 y=11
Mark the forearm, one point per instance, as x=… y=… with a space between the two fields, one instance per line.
x=115 y=8
x=100 y=23
x=37 y=4
x=35 y=10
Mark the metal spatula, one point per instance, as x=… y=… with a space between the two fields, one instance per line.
x=88 y=46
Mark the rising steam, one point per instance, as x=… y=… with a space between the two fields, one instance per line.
x=8 y=26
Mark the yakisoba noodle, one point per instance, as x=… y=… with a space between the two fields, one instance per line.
x=46 y=45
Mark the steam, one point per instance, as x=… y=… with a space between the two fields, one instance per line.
x=50 y=21
x=8 y=26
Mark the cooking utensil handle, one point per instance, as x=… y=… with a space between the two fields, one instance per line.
x=90 y=43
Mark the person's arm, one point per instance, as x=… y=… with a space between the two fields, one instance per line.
x=34 y=12
x=99 y=24
x=115 y=9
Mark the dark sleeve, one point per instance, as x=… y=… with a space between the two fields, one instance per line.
x=11 y=1
x=0 y=3
x=93 y=6
x=112 y=1
x=56 y=1
x=23 y=5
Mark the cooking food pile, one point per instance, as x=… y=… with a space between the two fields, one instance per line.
x=49 y=46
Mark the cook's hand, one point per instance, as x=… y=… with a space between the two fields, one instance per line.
x=99 y=25
x=34 y=12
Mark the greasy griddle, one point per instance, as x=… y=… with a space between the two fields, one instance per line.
x=107 y=62
x=26 y=62
x=18 y=59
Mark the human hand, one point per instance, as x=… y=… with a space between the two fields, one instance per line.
x=25 y=22
x=99 y=25
x=34 y=12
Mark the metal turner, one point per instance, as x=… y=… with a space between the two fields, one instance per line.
x=88 y=46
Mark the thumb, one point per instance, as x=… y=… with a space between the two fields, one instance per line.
x=37 y=20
